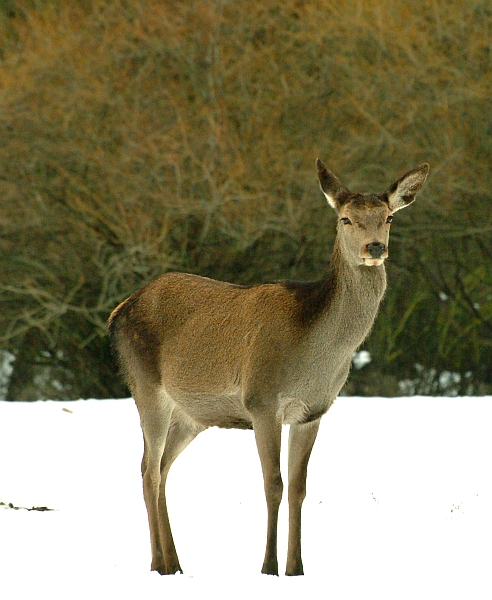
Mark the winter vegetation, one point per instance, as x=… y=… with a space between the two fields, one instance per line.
x=146 y=136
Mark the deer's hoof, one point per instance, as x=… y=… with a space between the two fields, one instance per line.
x=294 y=573
x=270 y=569
x=163 y=570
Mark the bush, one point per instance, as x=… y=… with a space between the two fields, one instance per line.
x=147 y=136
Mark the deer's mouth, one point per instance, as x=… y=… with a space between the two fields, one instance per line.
x=372 y=262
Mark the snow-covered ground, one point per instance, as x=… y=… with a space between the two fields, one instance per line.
x=399 y=505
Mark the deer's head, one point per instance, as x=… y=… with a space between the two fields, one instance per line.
x=364 y=219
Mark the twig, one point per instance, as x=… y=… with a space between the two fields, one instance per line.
x=37 y=508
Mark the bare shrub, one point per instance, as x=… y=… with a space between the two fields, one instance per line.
x=147 y=136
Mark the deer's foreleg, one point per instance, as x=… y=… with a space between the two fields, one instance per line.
x=301 y=441
x=268 y=433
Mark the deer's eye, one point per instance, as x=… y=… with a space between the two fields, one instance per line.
x=346 y=221
x=389 y=219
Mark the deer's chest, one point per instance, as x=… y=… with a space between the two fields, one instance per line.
x=319 y=371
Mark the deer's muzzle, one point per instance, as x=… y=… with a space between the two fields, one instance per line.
x=376 y=249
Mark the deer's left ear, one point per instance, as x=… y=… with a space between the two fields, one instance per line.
x=403 y=192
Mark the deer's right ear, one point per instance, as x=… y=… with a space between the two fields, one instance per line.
x=330 y=184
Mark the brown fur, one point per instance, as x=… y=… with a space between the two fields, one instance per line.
x=198 y=353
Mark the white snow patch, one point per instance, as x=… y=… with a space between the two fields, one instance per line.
x=361 y=359
x=6 y=370
x=398 y=505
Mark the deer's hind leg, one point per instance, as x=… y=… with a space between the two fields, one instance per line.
x=164 y=438
x=180 y=434
x=155 y=418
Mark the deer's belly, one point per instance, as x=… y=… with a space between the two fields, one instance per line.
x=223 y=409
x=302 y=398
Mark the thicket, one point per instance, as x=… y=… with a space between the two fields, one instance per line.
x=142 y=136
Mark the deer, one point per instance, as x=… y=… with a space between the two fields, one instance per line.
x=198 y=353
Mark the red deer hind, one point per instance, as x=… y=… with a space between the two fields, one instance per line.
x=198 y=353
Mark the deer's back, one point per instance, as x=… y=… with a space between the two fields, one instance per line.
x=180 y=322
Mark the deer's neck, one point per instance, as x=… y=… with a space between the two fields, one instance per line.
x=353 y=301
x=357 y=284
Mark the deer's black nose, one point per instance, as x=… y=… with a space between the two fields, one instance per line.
x=376 y=249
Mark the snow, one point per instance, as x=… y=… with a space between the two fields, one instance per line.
x=398 y=505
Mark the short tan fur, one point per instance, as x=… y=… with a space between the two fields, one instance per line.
x=198 y=353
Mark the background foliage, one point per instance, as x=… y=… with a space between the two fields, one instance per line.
x=147 y=135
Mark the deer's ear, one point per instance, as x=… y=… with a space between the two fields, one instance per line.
x=403 y=192
x=330 y=185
